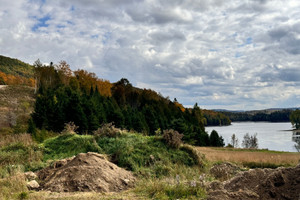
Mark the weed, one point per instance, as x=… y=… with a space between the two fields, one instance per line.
x=107 y=130
x=172 y=138
x=23 y=195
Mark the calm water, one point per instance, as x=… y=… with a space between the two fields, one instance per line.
x=272 y=136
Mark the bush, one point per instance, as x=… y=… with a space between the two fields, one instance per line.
x=70 y=128
x=107 y=130
x=172 y=138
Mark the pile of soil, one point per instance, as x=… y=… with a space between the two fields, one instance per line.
x=280 y=183
x=224 y=171
x=85 y=172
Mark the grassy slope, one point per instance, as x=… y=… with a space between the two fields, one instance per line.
x=16 y=67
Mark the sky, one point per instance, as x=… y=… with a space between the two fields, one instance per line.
x=233 y=54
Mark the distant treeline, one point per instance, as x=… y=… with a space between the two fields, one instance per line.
x=265 y=115
x=216 y=118
x=79 y=96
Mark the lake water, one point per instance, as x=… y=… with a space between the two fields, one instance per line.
x=272 y=136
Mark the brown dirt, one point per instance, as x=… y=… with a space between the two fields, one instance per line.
x=280 y=183
x=224 y=171
x=85 y=172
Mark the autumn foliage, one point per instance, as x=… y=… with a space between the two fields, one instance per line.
x=8 y=79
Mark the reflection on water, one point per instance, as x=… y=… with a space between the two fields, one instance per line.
x=296 y=138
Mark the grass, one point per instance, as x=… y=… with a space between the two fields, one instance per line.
x=144 y=155
x=19 y=152
x=251 y=158
x=166 y=189
x=13 y=187
x=68 y=145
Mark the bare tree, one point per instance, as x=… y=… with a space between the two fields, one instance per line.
x=250 y=141
x=234 y=141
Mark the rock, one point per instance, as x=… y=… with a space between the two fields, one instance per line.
x=33 y=185
x=30 y=176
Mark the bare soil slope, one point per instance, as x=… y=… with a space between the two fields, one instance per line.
x=280 y=183
x=85 y=172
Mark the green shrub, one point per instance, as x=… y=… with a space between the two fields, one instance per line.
x=172 y=138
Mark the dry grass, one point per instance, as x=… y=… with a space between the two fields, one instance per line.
x=252 y=158
x=15 y=138
x=12 y=186
x=44 y=195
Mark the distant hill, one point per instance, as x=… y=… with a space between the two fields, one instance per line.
x=271 y=115
x=15 y=72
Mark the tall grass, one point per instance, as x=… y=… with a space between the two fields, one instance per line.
x=250 y=158
x=13 y=186
x=166 y=189
x=19 y=151
x=15 y=138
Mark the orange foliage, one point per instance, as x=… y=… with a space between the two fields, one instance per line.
x=88 y=80
x=104 y=87
x=16 y=80
x=179 y=105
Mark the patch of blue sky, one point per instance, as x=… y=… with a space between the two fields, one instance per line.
x=248 y=41
x=238 y=54
x=96 y=36
x=60 y=26
x=234 y=35
x=106 y=37
x=72 y=9
x=213 y=50
x=42 y=22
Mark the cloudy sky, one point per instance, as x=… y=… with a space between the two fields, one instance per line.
x=233 y=54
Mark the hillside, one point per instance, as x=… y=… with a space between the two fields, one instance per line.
x=16 y=104
x=15 y=72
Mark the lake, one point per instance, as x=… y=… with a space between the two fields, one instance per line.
x=272 y=136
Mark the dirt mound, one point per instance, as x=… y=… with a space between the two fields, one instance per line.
x=85 y=172
x=280 y=183
x=224 y=171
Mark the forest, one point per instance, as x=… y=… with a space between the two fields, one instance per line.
x=81 y=97
x=263 y=115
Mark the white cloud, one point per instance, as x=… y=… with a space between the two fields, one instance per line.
x=222 y=54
